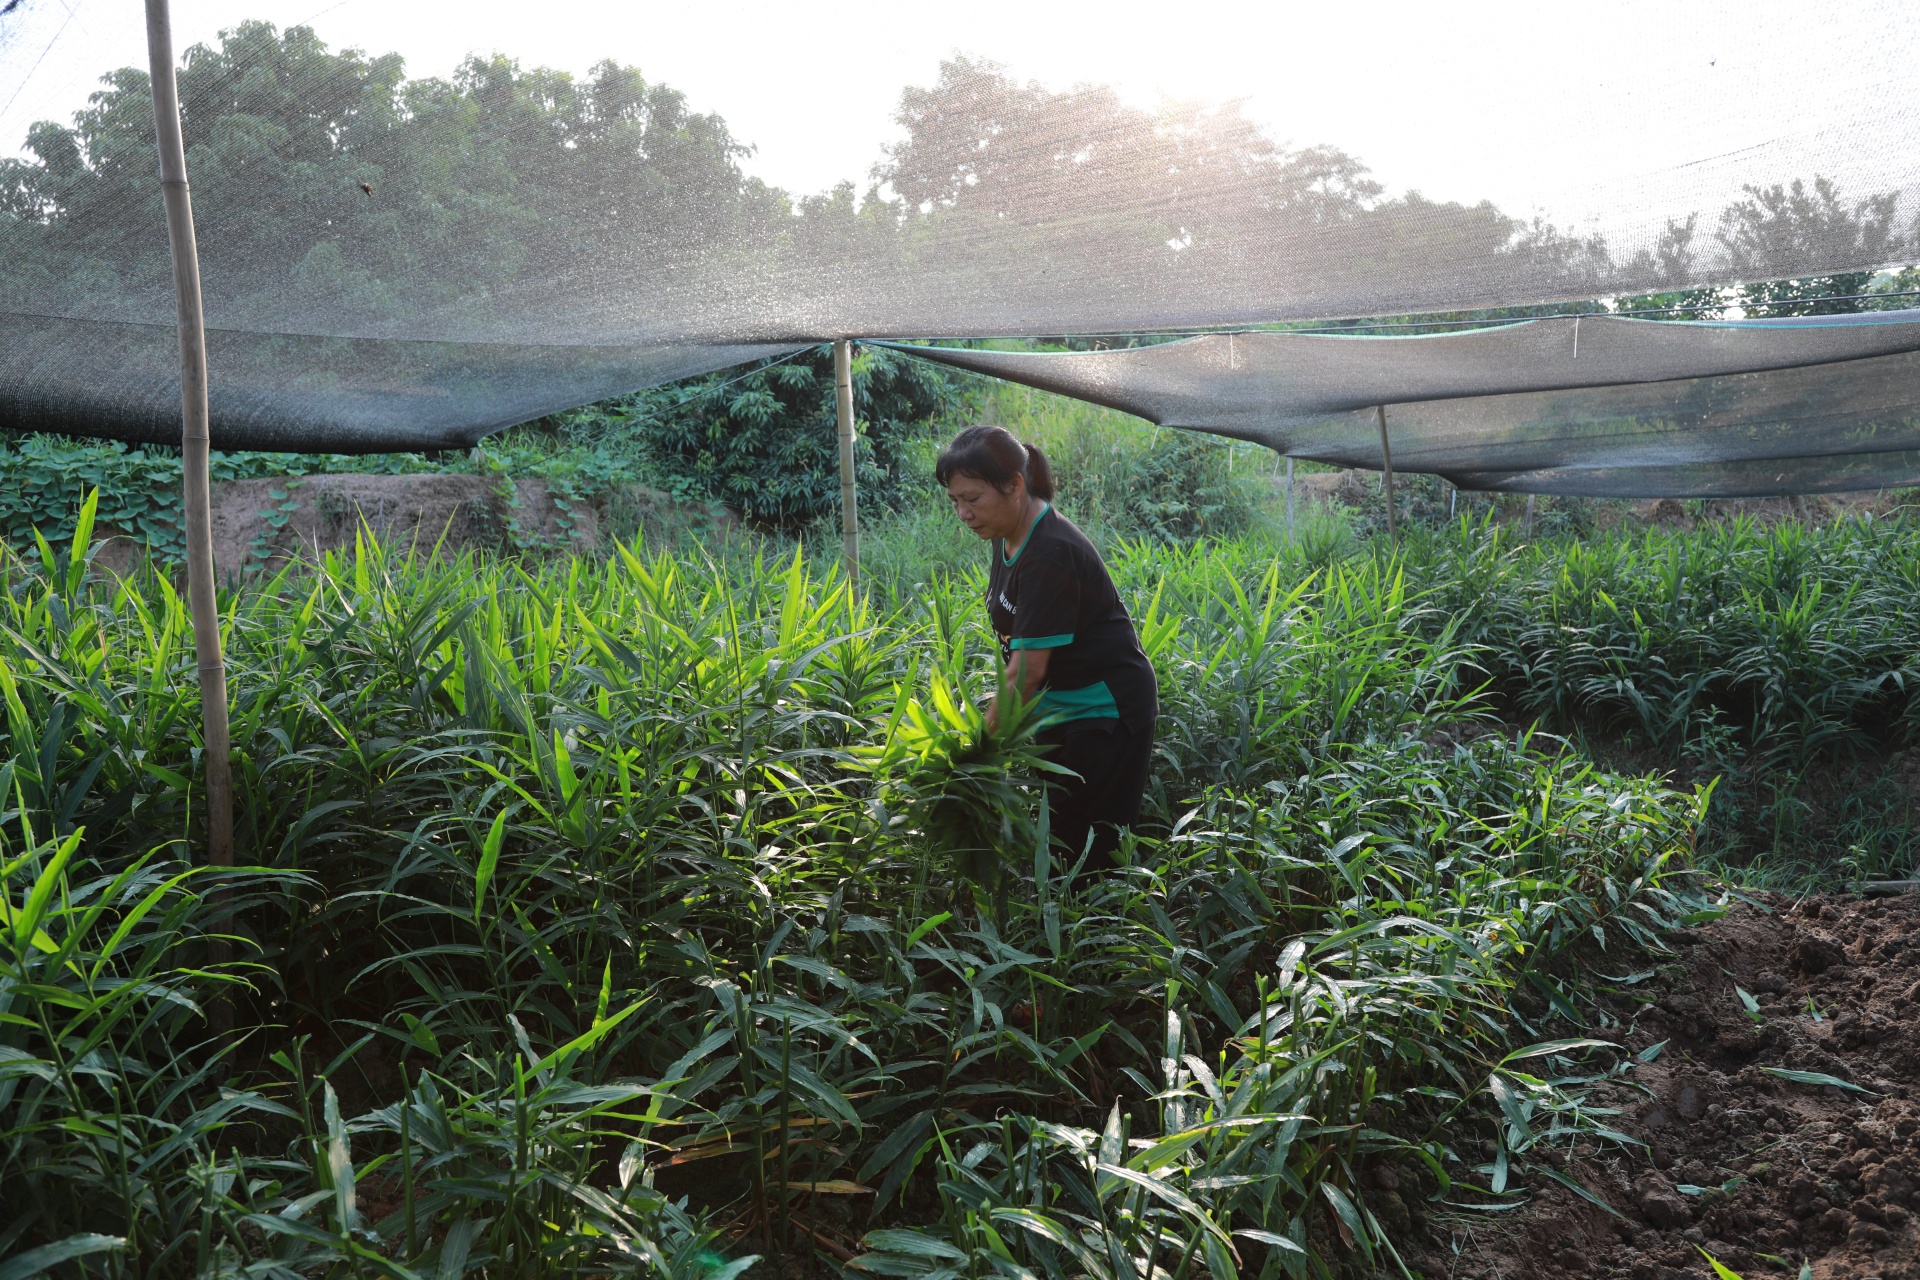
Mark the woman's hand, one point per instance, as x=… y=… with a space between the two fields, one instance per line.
x=1025 y=672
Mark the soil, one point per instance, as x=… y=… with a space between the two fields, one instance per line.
x=1763 y=1172
x=264 y=524
x=323 y=513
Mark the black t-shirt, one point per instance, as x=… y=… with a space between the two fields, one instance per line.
x=1056 y=594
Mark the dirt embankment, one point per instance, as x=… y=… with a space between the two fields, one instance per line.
x=1761 y=1170
x=262 y=524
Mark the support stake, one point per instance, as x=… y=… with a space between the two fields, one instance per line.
x=216 y=756
x=849 y=511
x=1386 y=470
x=1289 y=499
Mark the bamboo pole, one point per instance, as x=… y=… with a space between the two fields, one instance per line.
x=194 y=445
x=843 y=405
x=1289 y=499
x=1386 y=470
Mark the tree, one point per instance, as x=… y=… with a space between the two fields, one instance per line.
x=1776 y=230
x=764 y=443
x=334 y=194
x=1897 y=291
x=1193 y=212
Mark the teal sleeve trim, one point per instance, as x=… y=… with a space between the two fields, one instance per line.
x=1094 y=702
x=1040 y=642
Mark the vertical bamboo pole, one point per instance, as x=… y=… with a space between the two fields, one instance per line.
x=1289 y=499
x=1386 y=470
x=843 y=405
x=193 y=453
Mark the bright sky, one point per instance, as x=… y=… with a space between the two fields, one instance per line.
x=1541 y=107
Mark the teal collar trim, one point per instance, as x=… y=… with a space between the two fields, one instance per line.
x=1031 y=529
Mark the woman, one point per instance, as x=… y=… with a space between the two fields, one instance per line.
x=1064 y=635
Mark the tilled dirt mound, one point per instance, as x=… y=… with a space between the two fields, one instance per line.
x=1763 y=1172
x=262 y=523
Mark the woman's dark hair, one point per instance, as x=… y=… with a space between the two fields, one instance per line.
x=993 y=455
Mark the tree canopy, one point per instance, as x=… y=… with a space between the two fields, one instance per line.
x=333 y=193
x=744 y=440
x=511 y=237
x=333 y=175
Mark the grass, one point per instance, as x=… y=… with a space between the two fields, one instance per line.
x=652 y=915
x=1128 y=479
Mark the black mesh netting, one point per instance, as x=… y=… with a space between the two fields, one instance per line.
x=397 y=263
x=1592 y=405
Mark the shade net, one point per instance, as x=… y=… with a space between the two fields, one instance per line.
x=410 y=257
x=1593 y=405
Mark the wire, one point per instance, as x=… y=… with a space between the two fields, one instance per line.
x=704 y=392
x=759 y=368
x=73 y=11
x=1638 y=311
x=1484 y=321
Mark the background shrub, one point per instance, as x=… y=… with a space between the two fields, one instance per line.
x=1120 y=477
x=764 y=442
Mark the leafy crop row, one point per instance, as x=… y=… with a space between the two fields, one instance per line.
x=1763 y=657
x=1797 y=641
x=635 y=917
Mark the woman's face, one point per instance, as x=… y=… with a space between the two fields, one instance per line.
x=987 y=511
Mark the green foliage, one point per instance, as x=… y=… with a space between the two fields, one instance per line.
x=44 y=479
x=1797 y=639
x=1182 y=488
x=963 y=786
x=639 y=878
x=1121 y=478
x=112 y=1110
x=1812 y=296
x=1899 y=288
x=282 y=133
x=1764 y=655
x=765 y=442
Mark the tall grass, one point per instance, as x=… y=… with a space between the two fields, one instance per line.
x=630 y=917
x=1126 y=478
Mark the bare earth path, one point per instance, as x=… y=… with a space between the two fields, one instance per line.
x=1762 y=1171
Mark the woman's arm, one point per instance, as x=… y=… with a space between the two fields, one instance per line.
x=1024 y=672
